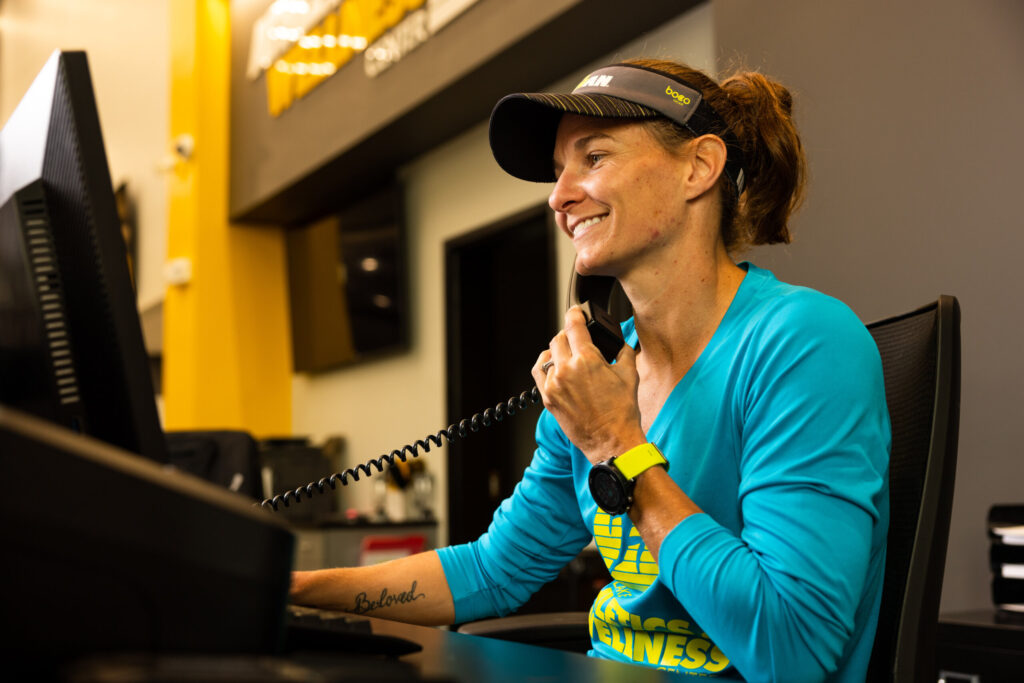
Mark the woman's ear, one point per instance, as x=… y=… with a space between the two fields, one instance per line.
x=707 y=164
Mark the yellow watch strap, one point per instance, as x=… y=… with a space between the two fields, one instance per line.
x=639 y=458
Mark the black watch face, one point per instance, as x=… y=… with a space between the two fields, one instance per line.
x=606 y=488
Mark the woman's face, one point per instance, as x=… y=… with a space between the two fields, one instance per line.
x=617 y=193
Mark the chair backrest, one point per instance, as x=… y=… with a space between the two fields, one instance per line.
x=229 y=458
x=921 y=362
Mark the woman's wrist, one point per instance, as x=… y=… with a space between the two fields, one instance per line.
x=300 y=586
x=615 y=446
x=658 y=506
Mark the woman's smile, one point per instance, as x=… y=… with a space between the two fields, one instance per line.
x=582 y=227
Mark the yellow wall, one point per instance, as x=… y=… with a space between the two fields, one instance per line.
x=227 y=354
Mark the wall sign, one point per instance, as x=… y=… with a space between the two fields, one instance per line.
x=298 y=44
x=348 y=135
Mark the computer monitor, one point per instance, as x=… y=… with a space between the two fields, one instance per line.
x=103 y=551
x=71 y=347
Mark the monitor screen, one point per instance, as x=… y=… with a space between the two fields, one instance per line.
x=71 y=347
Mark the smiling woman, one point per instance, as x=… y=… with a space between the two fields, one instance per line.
x=705 y=461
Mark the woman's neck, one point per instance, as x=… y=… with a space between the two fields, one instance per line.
x=679 y=303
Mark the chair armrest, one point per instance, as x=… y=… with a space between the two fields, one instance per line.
x=569 y=631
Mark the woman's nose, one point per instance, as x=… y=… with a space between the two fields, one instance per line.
x=566 y=191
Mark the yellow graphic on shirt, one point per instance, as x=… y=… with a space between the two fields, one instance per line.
x=628 y=560
x=671 y=644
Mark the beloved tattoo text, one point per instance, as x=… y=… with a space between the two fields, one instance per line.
x=366 y=604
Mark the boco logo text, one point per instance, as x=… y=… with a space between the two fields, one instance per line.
x=679 y=97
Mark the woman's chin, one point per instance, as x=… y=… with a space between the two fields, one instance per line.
x=589 y=263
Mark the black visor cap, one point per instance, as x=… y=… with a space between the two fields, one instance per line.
x=522 y=136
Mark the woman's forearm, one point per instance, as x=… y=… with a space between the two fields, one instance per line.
x=658 y=506
x=410 y=589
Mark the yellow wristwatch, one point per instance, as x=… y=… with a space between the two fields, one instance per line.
x=612 y=482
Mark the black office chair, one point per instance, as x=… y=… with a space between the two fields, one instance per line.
x=921 y=363
x=229 y=458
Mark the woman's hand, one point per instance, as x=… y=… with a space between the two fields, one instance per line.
x=595 y=403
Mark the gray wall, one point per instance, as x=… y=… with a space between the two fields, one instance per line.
x=911 y=114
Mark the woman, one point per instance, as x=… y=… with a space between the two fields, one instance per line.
x=738 y=445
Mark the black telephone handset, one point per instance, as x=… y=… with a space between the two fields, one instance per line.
x=604 y=306
x=603 y=303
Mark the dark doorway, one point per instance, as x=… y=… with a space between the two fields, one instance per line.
x=501 y=311
x=500 y=314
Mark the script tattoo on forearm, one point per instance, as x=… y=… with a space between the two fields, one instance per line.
x=366 y=604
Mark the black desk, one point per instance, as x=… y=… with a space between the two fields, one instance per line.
x=446 y=657
x=980 y=646
x=461 y=657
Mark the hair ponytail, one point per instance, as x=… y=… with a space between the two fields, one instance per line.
x=761 y=117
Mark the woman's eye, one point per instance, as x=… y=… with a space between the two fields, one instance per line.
x=594 y=157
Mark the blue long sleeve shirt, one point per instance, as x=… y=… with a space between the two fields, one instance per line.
x=780 y=434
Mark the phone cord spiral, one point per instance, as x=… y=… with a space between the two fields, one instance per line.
x=459 y=430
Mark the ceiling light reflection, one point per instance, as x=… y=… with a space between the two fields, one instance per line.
x=305 y=68
x=313 y=42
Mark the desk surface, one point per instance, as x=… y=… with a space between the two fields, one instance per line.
x=986 y=627
x=461 y=657
x=982 y=644
x=446 y=657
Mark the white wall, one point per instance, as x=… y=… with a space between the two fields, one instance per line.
x=452 y=190
x=128 y=46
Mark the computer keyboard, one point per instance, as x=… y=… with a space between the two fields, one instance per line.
x=325 y=620
x=329 y=630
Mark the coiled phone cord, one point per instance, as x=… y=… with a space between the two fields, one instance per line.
x=460 y=430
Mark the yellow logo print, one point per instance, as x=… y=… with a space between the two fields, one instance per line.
x=680 y=99
x=673 y=644
x=628 y=560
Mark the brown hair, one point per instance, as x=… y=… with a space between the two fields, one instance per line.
x=759 y=113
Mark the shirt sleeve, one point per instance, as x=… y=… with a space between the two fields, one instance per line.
x=534 y=533
x=782 y=598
